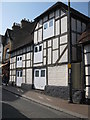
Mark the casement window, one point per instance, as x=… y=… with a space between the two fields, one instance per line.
x=20 y=73
x=37 y=73
x=45 y=26
x=48 y=29
x=42 y=73
x=38 y=48
x=38 y=53
x=20 y=58
x=51 y=23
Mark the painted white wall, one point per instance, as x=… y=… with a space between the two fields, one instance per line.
x=23 y=64
x=64 y=58
x=55 y=56
x=23 y=57
x=35 y=37
x=55 y=43
x=87 y=69
x=87 y=59
x=57 y=27
x=44 y=61
x=59 y=78
x=44 y=44
x=29 y=76
x=49 y=43
x=49 y=56
x=63 y=24
x=40 y=35
x=28 y=63
x=49 y=32
x=28 y=56
x=63 y=39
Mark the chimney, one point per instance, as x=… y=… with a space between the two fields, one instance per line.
x=16 y=26
x=25 y=22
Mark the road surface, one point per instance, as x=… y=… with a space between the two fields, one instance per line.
x=14 y=106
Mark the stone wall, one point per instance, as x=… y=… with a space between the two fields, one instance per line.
x=57 y=91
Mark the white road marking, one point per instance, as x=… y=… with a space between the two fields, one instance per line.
x=40 y=97
x=48 y=99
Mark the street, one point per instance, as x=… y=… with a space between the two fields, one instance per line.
x=14 y=106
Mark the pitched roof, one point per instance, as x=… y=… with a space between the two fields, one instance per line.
x=85 y=36
x=22 y=36
x=64 y=6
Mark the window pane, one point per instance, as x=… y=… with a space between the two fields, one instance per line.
x=36 y=50
x=42 y=73
x=50 y=23
x=40 y=48
x=45 y=26
x=20 y=73
x=20 y=58
x=37 y=73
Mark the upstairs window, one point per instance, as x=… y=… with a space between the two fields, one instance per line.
x=50 y=23
x=40 y=48
x=20 y=73
x=20 y=58
x=45 y=26
x=36 y=49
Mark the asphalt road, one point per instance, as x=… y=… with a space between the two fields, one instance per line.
x=15 y=107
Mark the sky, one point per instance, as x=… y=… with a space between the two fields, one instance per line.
x=11 y=12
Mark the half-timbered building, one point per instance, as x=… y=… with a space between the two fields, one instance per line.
x=50 y=64
x=22 y=53
x=85 y=42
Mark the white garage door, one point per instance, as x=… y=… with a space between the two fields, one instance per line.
x=40 y=79
x=19 y=78
x=87 y=69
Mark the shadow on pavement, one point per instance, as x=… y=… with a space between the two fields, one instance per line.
x=12 y=96
x=9 y=112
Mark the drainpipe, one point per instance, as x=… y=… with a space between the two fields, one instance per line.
x=69 y=55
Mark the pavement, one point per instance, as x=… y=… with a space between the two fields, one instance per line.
x=77 y=110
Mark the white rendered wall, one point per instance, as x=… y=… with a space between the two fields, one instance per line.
x=58 y=75
x=63 y=24
x=29 y=76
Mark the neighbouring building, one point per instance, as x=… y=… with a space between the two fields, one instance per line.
x=21 y=61
x=7 y=40
x=1 y=49
x=50 y=63
x=85 y=42
x=1 y=52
